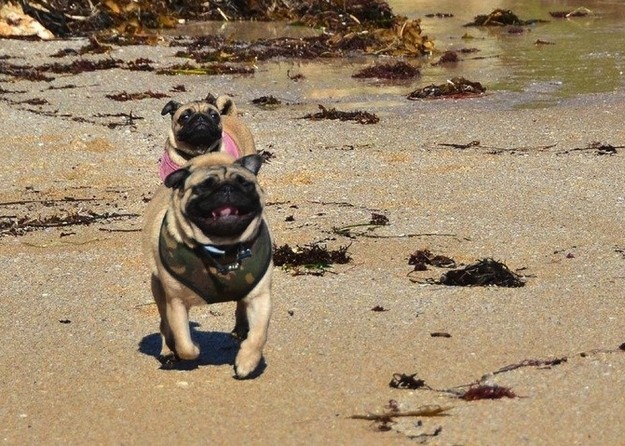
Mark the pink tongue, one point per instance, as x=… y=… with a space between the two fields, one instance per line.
x=225 y=211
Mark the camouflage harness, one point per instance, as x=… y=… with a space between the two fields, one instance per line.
x=216 y=274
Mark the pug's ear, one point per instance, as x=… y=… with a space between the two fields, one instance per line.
x=226 y=106
x=251 y=163
x=211 y=99
x=175 y=180
x=170 y=108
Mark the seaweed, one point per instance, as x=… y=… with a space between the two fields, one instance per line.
x=361 y=117
x=577 y=12
x=404 y=381
x=124 y=96
x=379 y=309
x=267 y=101
x=211 y=70
x=23 y=225
x=485 y=272
x=448 y=57
x=487 y=392
x=396 y=70
x=457 y=87
x=376 y=221
x=314 y=258
x=501 y=17
x=423 y=257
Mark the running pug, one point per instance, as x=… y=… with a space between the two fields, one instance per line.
x=200 y=127
x=207 y=241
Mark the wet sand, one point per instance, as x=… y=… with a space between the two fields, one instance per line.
x=78 y=358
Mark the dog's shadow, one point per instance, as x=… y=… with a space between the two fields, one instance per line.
x=216 y=348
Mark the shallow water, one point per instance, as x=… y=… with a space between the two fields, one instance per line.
x=583 y=54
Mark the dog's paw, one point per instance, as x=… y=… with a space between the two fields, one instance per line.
x=168 y=361
x=189 y=352
x=240 y=332
x=247 y=361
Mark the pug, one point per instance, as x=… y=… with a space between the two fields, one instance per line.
x=199 y=127
x=207 y=241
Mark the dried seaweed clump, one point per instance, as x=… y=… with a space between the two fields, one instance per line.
x=315 y=258
x=457 y=87
x=361 y=117
x=485 y=272
x=267 y=101
x=404 y=381
x=423 y=257
x=499 y=17
x=397 y=70
x=487 y=392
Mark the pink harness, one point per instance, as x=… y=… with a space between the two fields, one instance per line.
x=168 y=165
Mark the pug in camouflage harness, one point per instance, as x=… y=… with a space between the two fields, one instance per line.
x=207 y=241
x=200 y=127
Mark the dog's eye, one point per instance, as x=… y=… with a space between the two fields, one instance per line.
x=245 y=184
x=184 y=117
x=205 y=186
x=214 y=115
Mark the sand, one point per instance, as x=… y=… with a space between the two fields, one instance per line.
x=80 y=332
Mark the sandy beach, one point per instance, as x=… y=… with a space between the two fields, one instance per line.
x=78 y=360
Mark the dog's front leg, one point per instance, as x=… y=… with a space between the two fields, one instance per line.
x=177 y=314
x=258 y=311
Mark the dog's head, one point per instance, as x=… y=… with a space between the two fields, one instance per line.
x=217 y=200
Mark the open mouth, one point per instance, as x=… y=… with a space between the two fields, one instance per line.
x=223 y=220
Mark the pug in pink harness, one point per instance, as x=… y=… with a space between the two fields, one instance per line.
x=200 y=127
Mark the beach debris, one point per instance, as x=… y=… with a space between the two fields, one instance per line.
x=540 y=363
x=267 y=101
x=448 y=57
x=16 y=23
x=388 y=417
x=501 y=17
x=487 y=392
x=598 y=147
x=124 y=96
x=423 y=257
x=404 y=381
x=440 y=334
x=312 y=259
x=457 y=87
x=485 y=272
x=361 y=117
x=376 y=221
x=439 y=15
x=577 y=12
x=379 y=309
x=207 y=69
x=391 y=70
x=17 y=226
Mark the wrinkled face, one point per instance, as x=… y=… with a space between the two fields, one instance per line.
x=197 y=124
x=219 y=202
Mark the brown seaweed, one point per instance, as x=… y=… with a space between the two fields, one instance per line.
x=267 y=101
x=314 y=258
x=501 y=17
x=396 y=70
x=457 y=87
x=361 y=117
x=485 y=272
x=124 y=96
x=404 y=381
x=487 y=392
x=422 y=257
